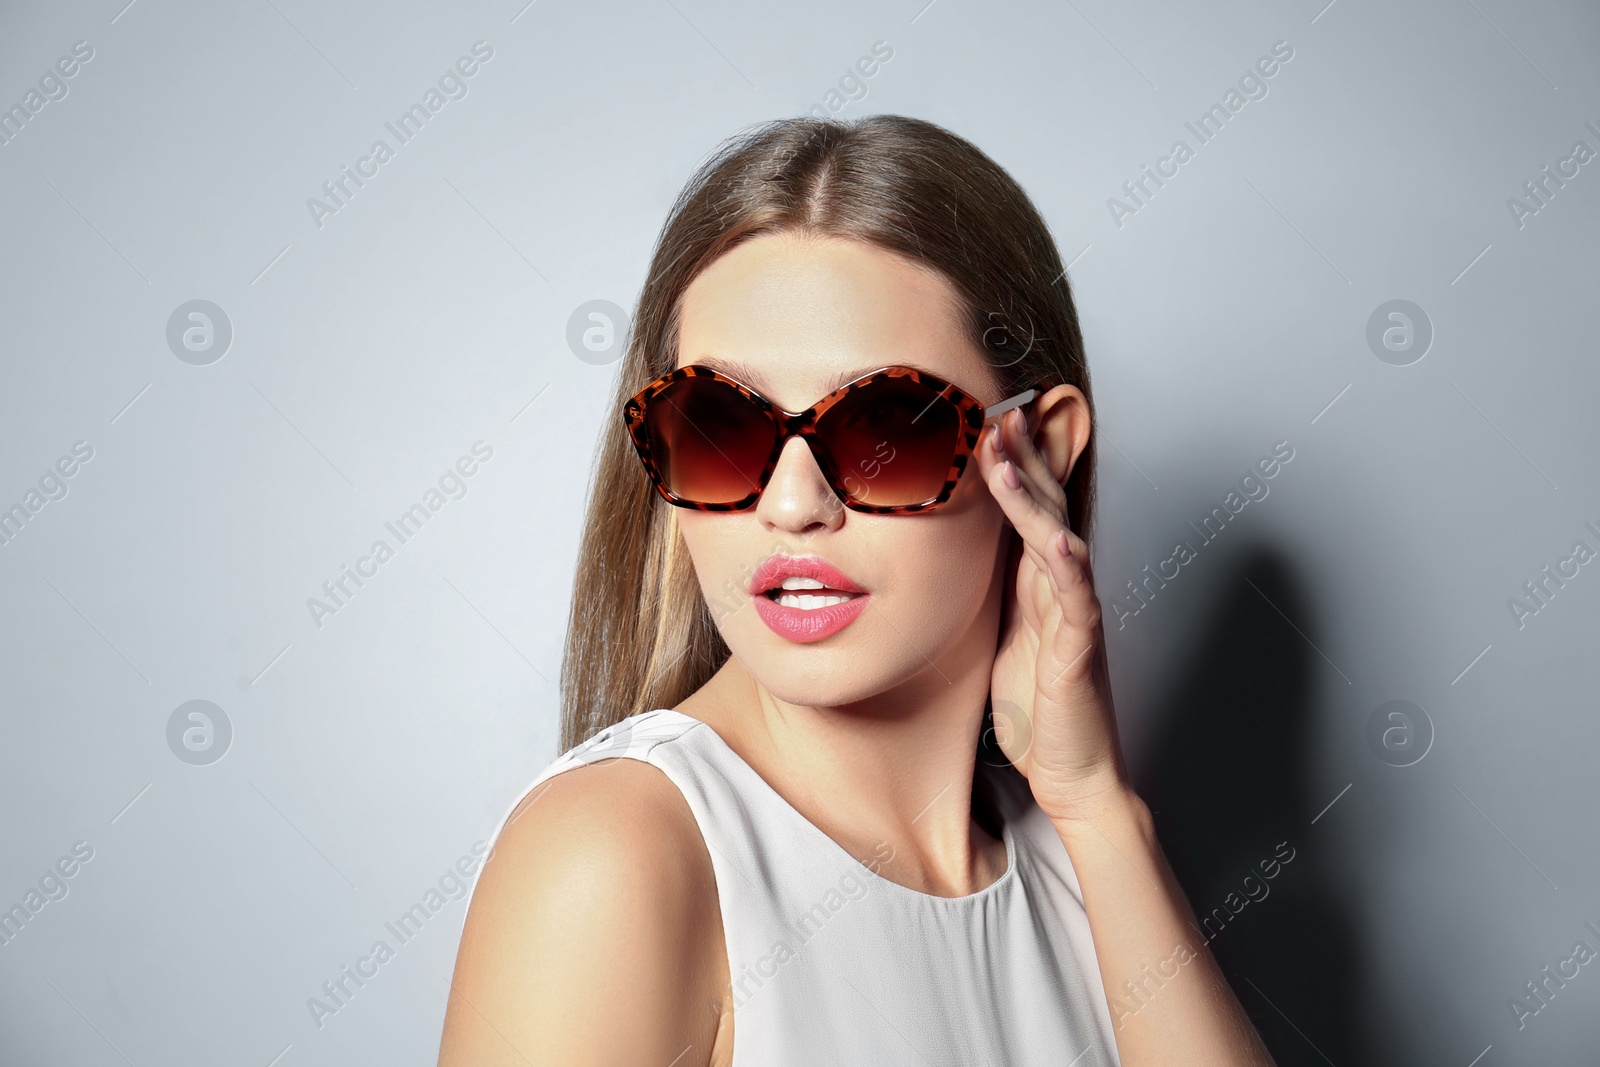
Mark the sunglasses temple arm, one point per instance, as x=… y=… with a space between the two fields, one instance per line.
x=1024 y=397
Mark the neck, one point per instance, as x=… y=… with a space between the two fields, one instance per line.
x=892 y=770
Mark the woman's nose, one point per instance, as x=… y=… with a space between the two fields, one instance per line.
x=798 y=497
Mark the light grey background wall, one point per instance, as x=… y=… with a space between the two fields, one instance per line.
x=349 y=356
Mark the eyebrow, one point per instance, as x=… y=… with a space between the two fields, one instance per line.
x=756 y=380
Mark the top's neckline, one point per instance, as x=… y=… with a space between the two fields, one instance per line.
x=811 y=829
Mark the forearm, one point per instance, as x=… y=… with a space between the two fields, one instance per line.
x=1169 y=1001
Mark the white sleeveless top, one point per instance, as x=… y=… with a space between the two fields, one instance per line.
x=835 y=966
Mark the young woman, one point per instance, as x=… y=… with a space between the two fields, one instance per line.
x=843 y=784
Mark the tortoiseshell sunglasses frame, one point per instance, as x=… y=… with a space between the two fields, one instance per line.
x=971 y=415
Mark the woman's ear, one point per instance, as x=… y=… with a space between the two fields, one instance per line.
x=1059 y=422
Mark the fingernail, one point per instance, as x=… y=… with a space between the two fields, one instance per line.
x=1063 y=546
x=1009 y=473
x=998 y=441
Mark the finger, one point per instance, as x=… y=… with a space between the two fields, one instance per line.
x=1055 y=550
x=1072 y=653
x=1071 y=662
x=1069 y=570
x=1020 y=446
x=993 y=451
x=1070 y=636
x=1040 y=481
x=1034 y=519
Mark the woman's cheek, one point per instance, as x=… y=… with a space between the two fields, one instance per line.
x=707 y=555
x=948 y=575
x=725 y=551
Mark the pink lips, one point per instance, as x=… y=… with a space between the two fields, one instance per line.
x=805 y=624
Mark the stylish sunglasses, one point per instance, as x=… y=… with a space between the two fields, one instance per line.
x=894 y=440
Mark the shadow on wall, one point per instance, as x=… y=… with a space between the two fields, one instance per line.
x=1227 y=780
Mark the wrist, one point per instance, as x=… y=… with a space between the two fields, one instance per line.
x=1114 y=812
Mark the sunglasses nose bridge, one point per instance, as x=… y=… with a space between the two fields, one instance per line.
x=798 y=495
x=804 y=426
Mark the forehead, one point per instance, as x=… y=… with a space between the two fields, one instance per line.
x=795 y=317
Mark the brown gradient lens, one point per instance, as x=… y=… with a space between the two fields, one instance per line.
x=892 y=441
x=709 y=442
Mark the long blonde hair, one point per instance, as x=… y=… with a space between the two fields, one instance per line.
x=640 y=635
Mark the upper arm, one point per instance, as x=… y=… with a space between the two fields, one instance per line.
x=594 y=935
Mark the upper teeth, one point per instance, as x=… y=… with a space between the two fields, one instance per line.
x=794 y=600
x=805 y=601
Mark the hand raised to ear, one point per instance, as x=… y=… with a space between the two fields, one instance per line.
x=1050 y=663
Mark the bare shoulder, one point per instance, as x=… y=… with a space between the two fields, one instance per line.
x=594 y=933
x=620 y=823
